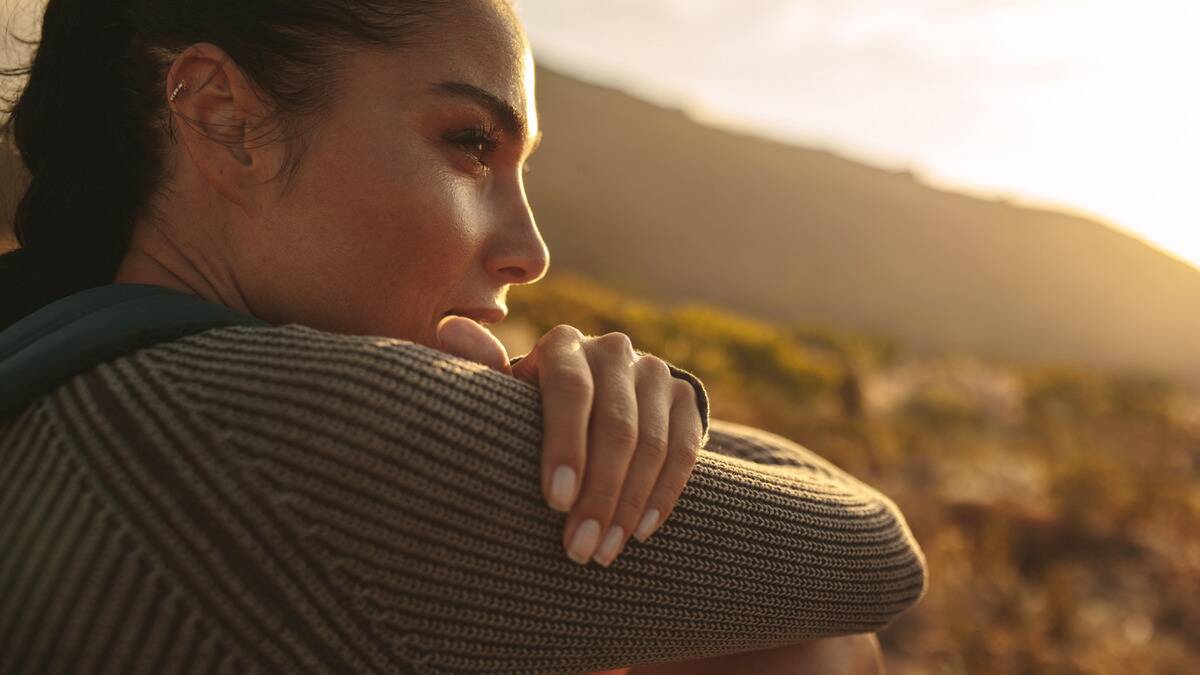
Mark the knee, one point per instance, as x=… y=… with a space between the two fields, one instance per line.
x=847 y=655
x=867 y=655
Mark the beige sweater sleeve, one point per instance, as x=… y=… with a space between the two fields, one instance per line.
x=287 y=500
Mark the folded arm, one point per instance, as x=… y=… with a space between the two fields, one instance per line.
x=340 y=503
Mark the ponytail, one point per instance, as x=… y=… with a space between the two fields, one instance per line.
x=77 y=131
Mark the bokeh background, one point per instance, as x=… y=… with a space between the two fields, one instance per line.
x=951 y=245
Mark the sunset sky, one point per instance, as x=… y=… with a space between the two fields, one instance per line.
x=1086 y=105
x=1090 y=106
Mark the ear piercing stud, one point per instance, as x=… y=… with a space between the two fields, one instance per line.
x=179 y=87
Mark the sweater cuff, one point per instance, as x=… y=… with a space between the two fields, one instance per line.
x=701 y=393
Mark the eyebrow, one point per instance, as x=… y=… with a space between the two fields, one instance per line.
x=511 y=120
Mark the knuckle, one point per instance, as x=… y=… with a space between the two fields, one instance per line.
x=621 y=432
x=685 y=455
x=564 y=332
x=684 y=390
x=690 y=451
x=617 y=343
x=603 y=492
x=628 y=507
x=654 y=367
x=653 y=444
x=571 y=381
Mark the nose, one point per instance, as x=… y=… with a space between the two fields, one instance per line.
x=519 y=255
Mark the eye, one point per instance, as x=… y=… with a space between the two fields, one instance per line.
x=477 y=143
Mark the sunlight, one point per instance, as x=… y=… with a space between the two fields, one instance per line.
x=1087 y=106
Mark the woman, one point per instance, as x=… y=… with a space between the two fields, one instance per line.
x=306 y=497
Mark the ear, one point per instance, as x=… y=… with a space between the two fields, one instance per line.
x=223 y=122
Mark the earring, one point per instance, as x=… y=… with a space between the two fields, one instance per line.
x=182 y=85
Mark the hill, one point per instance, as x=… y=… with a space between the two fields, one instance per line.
x=652 y=203
x=1053 y=504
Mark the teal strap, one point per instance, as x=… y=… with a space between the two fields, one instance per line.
x=73 y=334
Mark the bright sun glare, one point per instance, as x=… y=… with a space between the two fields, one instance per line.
x=1084 y=105
x=1089 y=106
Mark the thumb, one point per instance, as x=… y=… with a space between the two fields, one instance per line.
x=467 y=339
x=527 y=368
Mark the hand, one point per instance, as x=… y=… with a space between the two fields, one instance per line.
x=462 y=337
x=619 y=420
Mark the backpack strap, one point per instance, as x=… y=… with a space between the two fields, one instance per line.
x=75 y=333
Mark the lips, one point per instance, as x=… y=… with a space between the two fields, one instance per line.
x=481 y=315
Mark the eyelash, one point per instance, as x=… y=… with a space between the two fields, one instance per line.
x=479 y=142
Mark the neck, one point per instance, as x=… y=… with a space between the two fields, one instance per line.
x=155 y=257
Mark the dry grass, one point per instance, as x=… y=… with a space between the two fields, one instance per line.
x=1059 y=508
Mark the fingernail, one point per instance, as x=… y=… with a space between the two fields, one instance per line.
x=584 y=541
x=611 y=546
x=562 y=489
x=647 y=526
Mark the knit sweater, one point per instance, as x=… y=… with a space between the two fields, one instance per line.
x=287 y=500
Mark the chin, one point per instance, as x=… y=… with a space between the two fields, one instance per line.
x=426 y=336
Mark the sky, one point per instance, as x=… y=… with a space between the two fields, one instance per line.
x=1089 y=106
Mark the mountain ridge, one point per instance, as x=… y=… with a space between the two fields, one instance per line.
x=799 y=234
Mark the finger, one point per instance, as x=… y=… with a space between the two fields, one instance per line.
x=467 y=339
x=612 y=438
x=655 y=396
x=565 y=381
x=683 y=447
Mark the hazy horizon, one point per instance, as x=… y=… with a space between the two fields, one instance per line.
x=1082 y=106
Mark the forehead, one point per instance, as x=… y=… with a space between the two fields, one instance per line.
x=476 y=42
x=479 y=33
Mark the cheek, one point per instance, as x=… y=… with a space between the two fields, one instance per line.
x=415 y=267
x=400 y=200
x=419 y=231
x=383 y=237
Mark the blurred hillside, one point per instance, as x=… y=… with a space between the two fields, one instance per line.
x=1058 y=507
x=654 y=204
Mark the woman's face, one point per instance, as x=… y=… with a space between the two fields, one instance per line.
x=409 y=202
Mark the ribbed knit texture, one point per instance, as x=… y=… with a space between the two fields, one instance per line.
x=285 y=500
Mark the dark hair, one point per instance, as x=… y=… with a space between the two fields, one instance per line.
x=92 y=120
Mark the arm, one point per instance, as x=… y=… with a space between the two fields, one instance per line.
x=346 y=503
